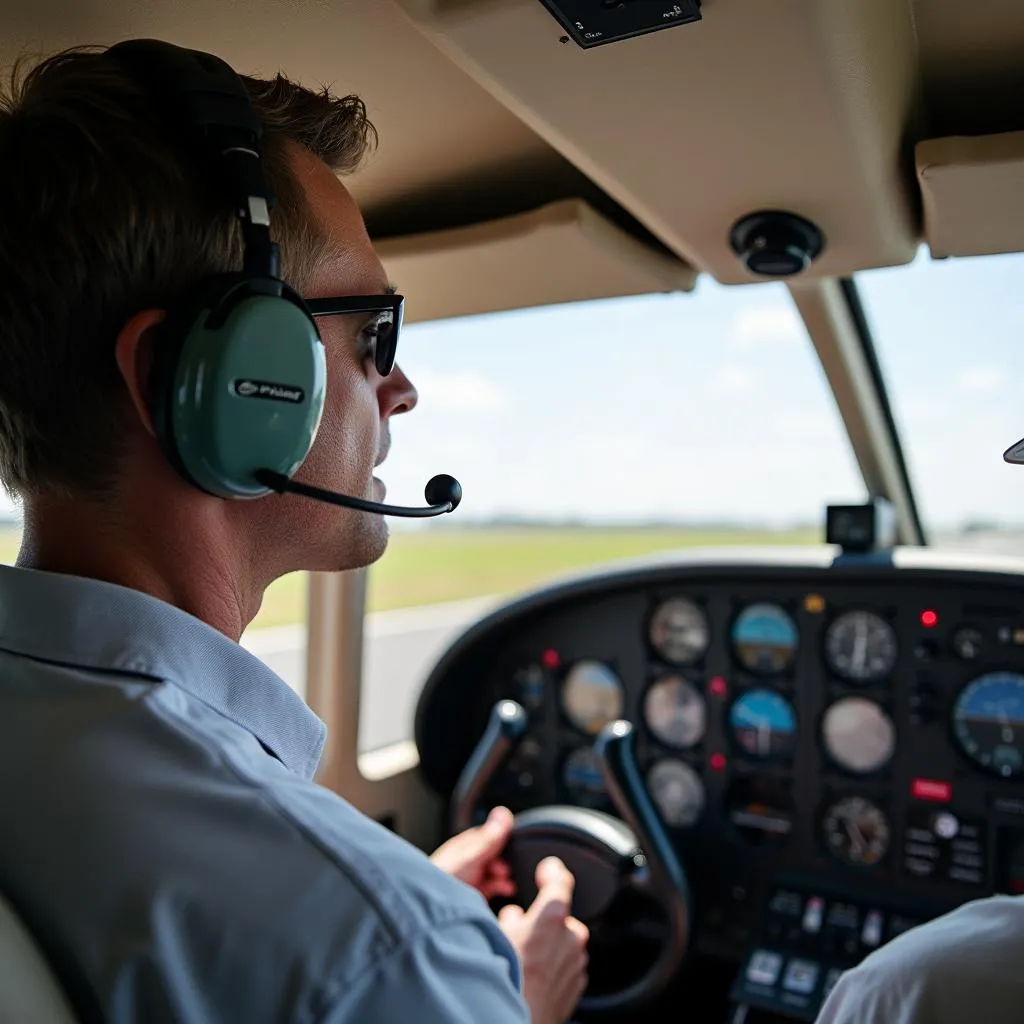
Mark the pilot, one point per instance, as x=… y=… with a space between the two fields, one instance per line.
x=163 y=837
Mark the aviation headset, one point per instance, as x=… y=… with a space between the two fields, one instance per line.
x=239 y=375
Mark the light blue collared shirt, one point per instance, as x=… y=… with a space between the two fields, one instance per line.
x=161 y=835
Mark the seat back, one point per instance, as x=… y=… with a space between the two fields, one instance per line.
x=28 y=989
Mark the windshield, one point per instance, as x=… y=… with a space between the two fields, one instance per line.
x=588 y=432
x=949 y=339
x=708 y=406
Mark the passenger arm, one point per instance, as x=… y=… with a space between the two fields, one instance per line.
x=961 y=967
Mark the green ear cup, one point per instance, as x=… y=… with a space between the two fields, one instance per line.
x=247 y=394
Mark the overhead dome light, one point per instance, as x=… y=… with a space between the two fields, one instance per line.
x=773 y=243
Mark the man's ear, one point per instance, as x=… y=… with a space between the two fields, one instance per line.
x=134 y=353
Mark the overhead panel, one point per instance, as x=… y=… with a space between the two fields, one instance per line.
x=561 y=252
x=437 y=127
x=972 y=189
x=800 y=106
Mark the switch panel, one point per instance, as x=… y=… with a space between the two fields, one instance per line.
x=595 y=22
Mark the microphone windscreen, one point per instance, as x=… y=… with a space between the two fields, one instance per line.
x=441 y=489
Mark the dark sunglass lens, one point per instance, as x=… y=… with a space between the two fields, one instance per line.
x=387 y=344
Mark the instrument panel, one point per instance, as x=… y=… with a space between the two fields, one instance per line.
x=862 y=725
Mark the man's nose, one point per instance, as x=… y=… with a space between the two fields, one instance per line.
x=398 y=394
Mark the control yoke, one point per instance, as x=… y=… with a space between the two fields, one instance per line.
x=605 y=853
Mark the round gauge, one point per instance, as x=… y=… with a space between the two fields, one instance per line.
x=860 y=646
x=675 y=712
x=856 y=831
x=761 y=810
x=678 y=792
x=968 y=643
x=763 y=724
x=764 y=638
x=678 y=631
x=988 y=720
x=592 y=696
x=858 y=735
x=581 y=774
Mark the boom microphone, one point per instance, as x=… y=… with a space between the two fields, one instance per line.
x=442 y=493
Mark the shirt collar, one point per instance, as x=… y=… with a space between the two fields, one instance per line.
x=92 y=624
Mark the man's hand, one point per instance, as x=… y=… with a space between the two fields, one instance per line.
x=551 y=944
x=474 y=857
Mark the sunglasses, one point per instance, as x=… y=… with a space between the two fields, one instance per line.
x=389 y=309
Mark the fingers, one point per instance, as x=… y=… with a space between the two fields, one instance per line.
x=489 y=839
x=468 y=855
x=579 y=930
x=499 y=824
x=499 y=869
x=577 y=991
x=494 y=887
x=555 y=885
x=510 y=914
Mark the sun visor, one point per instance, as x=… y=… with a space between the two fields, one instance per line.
x=972 y=189
x=562 y=252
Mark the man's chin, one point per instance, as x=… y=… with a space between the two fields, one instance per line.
x=368 y=541
x=337 y=539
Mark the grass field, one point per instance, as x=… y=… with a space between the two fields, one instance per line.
x=427 y=566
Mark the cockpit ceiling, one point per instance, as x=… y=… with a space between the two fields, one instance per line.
x=807 y=105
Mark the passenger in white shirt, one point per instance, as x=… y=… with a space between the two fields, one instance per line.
x=966 y=967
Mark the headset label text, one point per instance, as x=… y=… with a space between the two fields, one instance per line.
x=265 y=389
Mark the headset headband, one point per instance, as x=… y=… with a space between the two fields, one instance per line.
x=205 y=98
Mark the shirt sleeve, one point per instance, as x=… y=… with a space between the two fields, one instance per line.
x=872 y=994
x=451 y=975
x=964 y=966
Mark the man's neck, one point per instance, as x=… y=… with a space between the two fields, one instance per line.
x=192 y=567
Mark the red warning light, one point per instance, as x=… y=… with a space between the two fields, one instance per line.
x=717 y=762
x=551 y=658
x=718 y=686
x=929 y=618
x=931 y=789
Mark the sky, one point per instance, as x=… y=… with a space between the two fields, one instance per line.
x=711 y=405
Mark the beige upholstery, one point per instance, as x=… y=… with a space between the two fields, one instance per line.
x=29 y=993
x=561 y=252
x=972 y=188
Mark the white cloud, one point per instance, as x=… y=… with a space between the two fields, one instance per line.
x=733 y=379
x=921 y=409
x=766 y=326
x=806 y=426
x=459 y=392
x=980 y=380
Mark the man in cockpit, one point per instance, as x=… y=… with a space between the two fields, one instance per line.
x=163 y=838
x=967 y=966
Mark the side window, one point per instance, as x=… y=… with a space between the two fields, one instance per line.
x=10 y=530
x=948 y=334
x=277 y=635
x=583 y=434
